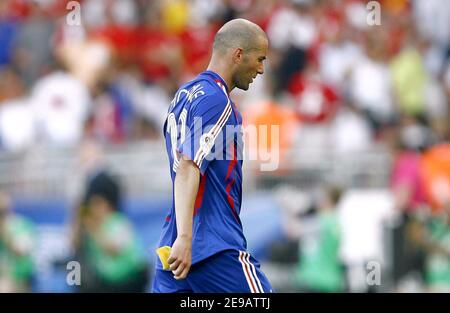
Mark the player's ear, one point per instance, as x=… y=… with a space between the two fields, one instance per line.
x=238 y=55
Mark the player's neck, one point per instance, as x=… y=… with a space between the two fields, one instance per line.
x=223 y=72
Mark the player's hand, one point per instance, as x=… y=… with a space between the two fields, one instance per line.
x=180 y=258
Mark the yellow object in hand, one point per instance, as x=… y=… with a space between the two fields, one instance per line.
x=163 y=253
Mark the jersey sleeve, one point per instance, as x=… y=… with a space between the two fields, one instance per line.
x=204 y=133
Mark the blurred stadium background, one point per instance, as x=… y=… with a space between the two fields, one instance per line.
x=364 y=177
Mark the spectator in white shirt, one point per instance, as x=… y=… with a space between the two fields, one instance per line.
x=61 y=105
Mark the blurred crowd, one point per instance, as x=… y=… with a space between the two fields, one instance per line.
x=110 y=77
x=333 y=83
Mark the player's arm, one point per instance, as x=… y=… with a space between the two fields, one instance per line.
x=213 y=110
x=185 y=190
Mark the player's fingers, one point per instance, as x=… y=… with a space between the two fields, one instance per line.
x=174 y=265
x=171 y=259
x=178 y=270
x=183 y=275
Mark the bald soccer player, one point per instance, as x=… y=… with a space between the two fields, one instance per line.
x=204 y=144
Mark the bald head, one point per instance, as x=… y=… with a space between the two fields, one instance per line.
x=238 y=33
x=240 y=48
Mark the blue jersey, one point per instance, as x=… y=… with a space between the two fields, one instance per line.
x=204 y=125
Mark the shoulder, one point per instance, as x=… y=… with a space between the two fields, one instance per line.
x=207 y=95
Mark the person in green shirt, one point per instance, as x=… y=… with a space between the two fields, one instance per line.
x=111 y=256
x=319 y=268
x=437 y=268
x=433 y=236
x=16 y=244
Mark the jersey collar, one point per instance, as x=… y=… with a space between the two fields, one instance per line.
x=216 y=77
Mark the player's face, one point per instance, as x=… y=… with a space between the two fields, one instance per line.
x=251 y=65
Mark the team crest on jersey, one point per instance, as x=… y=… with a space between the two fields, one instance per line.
x=206 y=143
